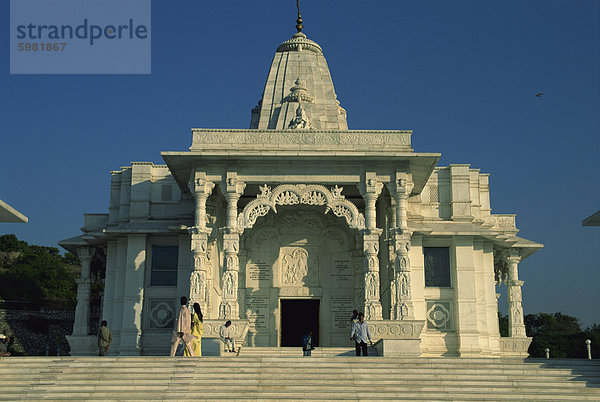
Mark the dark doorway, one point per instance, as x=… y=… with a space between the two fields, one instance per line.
x=297 y=318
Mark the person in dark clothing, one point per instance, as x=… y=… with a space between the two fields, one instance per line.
x=307 y=344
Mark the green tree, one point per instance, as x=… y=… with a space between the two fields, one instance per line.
x=39 y=272
x=560 y=333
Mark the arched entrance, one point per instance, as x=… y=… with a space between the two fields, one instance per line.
x=298 y=271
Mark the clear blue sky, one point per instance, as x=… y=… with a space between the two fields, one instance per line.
x=462 y=74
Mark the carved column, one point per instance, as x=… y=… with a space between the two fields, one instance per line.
x=516 y=326
x=232 y=188
x=370 y=188
x=372 y=301
x=401 y=305
x=201 y=268
x=82 y=310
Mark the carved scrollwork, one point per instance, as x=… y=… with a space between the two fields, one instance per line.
x=287 y=198
x=288 y=194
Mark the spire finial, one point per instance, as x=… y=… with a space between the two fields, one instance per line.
x=299 y=25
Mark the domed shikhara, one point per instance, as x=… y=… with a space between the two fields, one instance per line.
x=299 y=78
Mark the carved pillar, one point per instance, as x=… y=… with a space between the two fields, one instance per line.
x=82 y=310
x=370 y=188
x=232 y=188
x=372 y=301
x=516 y=326
x=201 y=268
x=401 y=306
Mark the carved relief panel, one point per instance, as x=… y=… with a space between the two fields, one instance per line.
x=298 y=266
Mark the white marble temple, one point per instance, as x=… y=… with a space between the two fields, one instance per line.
x=299 y=211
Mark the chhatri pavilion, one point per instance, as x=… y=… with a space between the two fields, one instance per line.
x=295 y=222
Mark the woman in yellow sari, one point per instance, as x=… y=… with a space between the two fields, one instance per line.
x=197 y=331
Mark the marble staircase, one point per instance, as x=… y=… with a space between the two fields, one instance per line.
x=295 y=352
x=261 y=374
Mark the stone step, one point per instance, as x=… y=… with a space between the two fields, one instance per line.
x=268 y=373
x=370 y=395
x=167 y=361
x=378 y=361
x=291 y=377
x=315 y=367
x=133 y=384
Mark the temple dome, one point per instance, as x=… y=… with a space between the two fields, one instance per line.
x=299 y=78
x=299 y=42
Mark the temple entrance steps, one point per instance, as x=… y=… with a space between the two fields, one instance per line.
x=299 y=378
x=297 y=351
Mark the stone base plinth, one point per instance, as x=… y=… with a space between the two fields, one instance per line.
x=398 y=347
x=514 y=347
x=212 y=347
x=83 y=345
x=399 y=338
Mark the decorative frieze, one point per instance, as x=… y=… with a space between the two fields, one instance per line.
x=289 y=194
x=393 y=329
x=503 y=221
x=260 y=140
x=238 y=328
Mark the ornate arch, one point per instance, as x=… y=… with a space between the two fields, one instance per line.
x=308 y=194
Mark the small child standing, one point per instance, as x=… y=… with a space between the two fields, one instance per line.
x=307 y=344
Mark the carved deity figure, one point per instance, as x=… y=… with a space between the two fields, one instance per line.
x=301 y=120
x=228 y=285
x=517 y=317
x=295 y=266
x=197 y=286
x=371 y=287
x=225 y=310
x=403 y=285
x=403 y=310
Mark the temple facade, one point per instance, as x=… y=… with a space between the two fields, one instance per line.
x=295 y=222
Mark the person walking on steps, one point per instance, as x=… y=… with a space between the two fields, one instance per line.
x=307 y=344
x=197 y=331
x=104 y=339
x=360 y=334
x=183 y=328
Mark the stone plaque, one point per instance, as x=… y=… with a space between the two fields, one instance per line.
x=257 y=311
x=341 y=271
x=258 y=271
x=341 y=311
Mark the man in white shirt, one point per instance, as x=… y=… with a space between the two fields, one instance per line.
x=183 y=329
x=226 y=336
x=360 y=334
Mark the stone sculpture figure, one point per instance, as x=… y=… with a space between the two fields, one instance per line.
x=295 y=266
x=403 y=285
x=371 y=287
x=228 y=284
x=197 y=286
x=301 y=120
